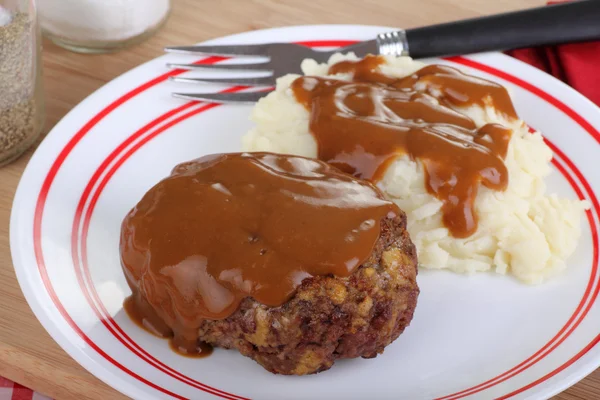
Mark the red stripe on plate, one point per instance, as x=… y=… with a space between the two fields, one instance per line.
x=103 y=315
x=594 y=133
x=549 y=347
x=75 y=327
x=62 y=156
x=556 y=371
x=46 y=185
x=530 y=88
x=120 y=149
x=41 y=201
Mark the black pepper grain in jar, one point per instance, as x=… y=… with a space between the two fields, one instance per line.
x=21 y=104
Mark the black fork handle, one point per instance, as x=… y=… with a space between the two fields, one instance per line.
x=560 y=23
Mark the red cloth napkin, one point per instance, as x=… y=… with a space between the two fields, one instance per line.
x=14 y=391
x=576 y=64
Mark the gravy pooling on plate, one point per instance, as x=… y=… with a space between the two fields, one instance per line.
x=226 y=227
x=361 y=126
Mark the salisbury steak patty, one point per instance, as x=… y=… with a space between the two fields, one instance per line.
x=287 y=259
x=330 y=318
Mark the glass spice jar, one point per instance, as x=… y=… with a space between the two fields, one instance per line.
x=21 y=103
x=99 y=26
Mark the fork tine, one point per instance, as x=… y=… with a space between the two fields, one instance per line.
x=232 y=50
x=224 y=98
x=256 y=67
x=267 y=80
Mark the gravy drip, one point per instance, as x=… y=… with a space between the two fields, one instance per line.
x=142 y=314
x=362 y=126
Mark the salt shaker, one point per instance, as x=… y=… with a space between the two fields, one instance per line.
x=98 y=26
x=21 y=102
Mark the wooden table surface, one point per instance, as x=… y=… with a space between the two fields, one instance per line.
x=27 y=353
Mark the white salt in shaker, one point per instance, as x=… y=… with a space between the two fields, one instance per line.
x=96 y=26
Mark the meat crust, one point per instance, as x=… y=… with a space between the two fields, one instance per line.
x=330 y=318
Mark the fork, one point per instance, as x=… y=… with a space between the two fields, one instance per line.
x=560 y=23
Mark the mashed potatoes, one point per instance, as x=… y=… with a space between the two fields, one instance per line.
x=521 y=231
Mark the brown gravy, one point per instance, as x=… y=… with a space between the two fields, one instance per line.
x=226 y=227
x=144 y=317
x=361 y=126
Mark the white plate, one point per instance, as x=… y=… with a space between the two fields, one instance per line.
x=484 y=336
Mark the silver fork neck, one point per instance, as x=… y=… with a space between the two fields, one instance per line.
x=393 y=43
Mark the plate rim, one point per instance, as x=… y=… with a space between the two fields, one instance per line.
x=58 y=336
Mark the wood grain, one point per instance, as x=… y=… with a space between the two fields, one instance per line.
x=27 y=354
